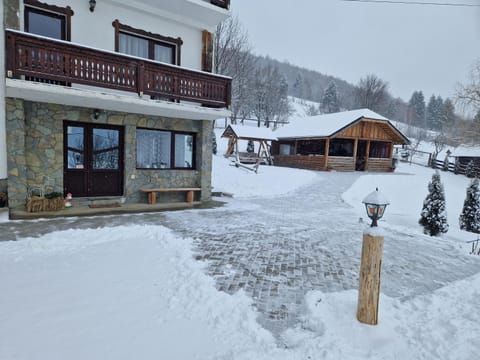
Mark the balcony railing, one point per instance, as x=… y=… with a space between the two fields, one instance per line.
x=57 y=61
x=222 y=3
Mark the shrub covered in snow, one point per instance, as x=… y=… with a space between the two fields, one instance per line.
x=470 y=216
x=471 y=169
x=433 y=217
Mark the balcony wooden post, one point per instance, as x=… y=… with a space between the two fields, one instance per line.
x=140 y=78
x=12 y=57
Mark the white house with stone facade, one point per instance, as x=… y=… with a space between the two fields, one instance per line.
x=104 y=98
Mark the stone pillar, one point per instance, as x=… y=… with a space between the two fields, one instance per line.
x=17 y=172
x=204 y=166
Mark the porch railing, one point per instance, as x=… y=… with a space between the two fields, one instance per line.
x=55 y=61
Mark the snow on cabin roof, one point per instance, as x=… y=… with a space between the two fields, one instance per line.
x=250 y=132
x=324 y=125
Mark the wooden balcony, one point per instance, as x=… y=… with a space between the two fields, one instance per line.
x=59 y=62
x=222 y=3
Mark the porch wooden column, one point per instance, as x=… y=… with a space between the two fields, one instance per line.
x=355 y=148
x=367 y=152
x=327 y=148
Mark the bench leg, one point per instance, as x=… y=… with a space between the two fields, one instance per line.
x=190 y=196
x=152 y=198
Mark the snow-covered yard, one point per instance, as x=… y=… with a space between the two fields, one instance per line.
x=133 y=287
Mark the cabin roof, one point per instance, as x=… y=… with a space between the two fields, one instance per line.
x=249 y=132
x=323 y=126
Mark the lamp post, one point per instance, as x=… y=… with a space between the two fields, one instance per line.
x=371 y=262
x=375 y=204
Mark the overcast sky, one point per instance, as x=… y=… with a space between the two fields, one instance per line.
x=412 y=47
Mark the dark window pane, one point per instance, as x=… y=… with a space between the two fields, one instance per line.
x=105 y=139
x=341 y=147
x=105 y=160
x=75 y=160
x=75 y=137
x=46 y=25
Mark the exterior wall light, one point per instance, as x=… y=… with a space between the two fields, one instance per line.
x=92 y=4
x=375 y=204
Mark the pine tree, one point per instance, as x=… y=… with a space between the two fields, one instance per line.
x=470 y=216
x=434 y=112
x=447 y=118
x=416 y=109
x=471 y=170
x=433 y=217
x=330 y=99
x=214 y=143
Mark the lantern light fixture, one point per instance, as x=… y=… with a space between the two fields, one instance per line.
x=92 y=4
x=375 y=204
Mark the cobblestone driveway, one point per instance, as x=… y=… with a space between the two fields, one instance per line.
x=278 y=249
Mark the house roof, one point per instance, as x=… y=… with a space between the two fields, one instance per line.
x=330 y=124
x=249 y=132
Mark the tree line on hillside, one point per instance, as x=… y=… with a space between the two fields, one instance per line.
x=261 y=87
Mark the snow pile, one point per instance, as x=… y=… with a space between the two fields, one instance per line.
x=118 y=293
x=269 y=181
x=243 y=183
x=406 y=189
x=137 y=292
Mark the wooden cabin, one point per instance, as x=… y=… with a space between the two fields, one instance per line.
x=261 y=136
x=346 y=141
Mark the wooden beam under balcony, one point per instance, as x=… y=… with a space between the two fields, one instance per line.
x=54 y=61
x=222 y=3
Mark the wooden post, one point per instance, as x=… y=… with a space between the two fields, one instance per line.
x=325 y=155
x=369 y=287
x=367 y=154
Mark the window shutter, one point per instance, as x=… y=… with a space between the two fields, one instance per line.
x=207 y=51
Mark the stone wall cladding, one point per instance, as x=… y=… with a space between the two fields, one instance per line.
x=35 y=150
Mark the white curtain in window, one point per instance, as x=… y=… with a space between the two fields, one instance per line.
x=163 y=53
x=132 y=45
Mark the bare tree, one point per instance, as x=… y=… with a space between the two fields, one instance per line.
x=440 y=142
x=371 y=92
x=469 y=94
x=233 y=58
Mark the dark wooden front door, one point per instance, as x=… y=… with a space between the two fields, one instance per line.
x=93 y=160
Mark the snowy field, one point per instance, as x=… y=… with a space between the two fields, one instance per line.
x=136 y=291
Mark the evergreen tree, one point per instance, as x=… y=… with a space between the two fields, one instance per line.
x=416 y=109
x=250 y=146
x=330 y=99
x=214 y=142
x=471 y=170
x=433 y=217
x=470 y=216
x=447 y=118
x=476 y=119
x=434 y=113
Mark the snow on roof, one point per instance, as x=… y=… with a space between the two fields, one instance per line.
x=250 y=132
x=466 y=151
x=324 y=125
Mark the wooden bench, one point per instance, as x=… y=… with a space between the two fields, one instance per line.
x=152 y=193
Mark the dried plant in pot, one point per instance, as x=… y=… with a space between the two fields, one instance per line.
x=3 y=199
